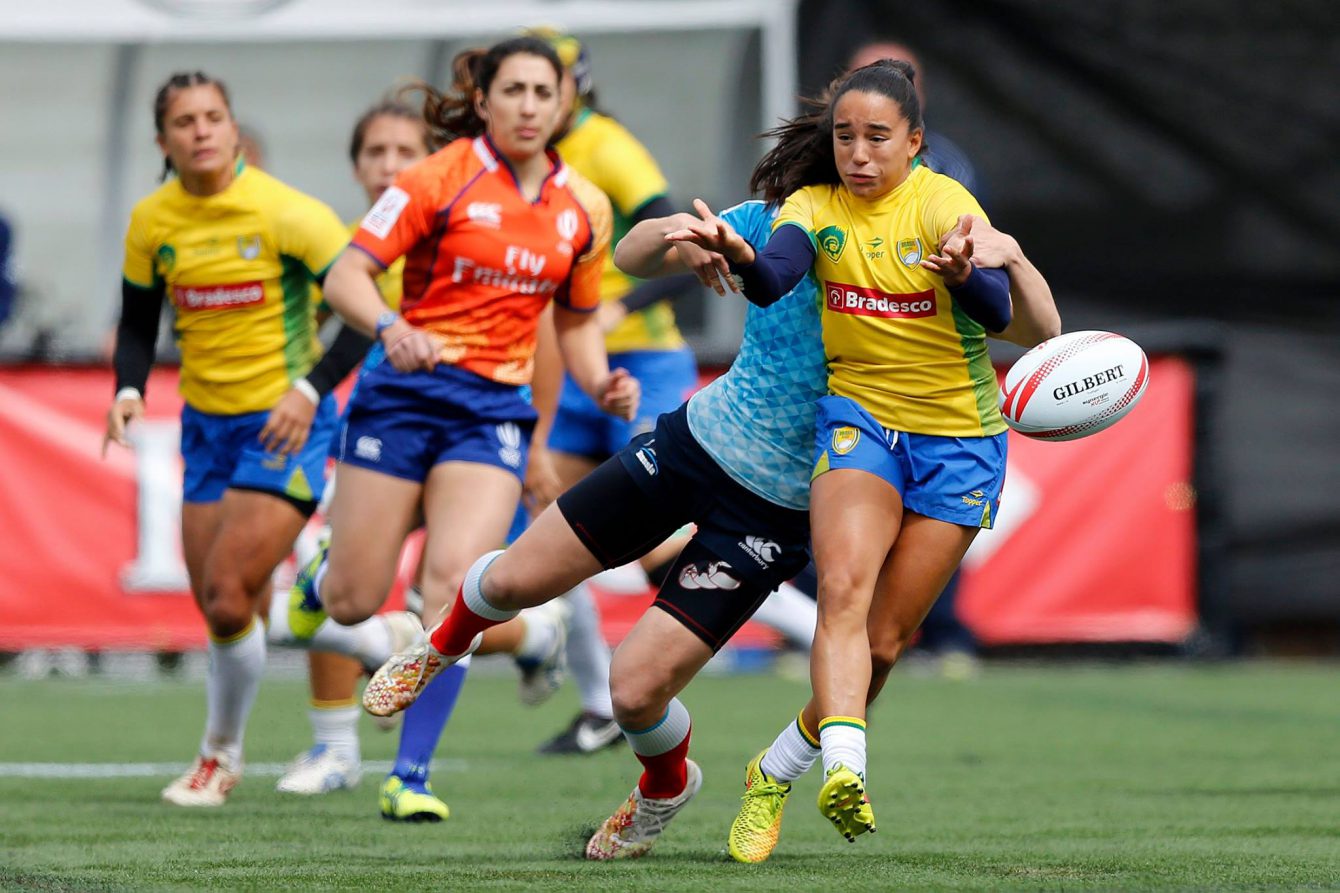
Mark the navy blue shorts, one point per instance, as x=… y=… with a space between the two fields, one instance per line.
x=744 y=547
x=405 y=423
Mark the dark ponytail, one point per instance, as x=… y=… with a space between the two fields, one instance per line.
x=180 y=81
x=803 y=155
x=452 y=114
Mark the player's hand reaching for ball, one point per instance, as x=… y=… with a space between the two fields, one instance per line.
x=119 y=417
x=991 y=248
x=711 y=233
x=954 y=262
x=620 y=394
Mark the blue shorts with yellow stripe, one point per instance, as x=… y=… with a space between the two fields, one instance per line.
x=223 y=451
x=954 y=479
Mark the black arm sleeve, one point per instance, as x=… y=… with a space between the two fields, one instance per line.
x=135 y=334
x=778 y=267
x=985 y=296
x=653 y=291
x=346 y=352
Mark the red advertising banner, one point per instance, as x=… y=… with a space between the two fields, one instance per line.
x=1096 y=538
x=1095 y=542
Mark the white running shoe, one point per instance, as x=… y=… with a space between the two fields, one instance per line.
x=207 y=783
x=319 y=771
x=634 y=827
x=544 y=675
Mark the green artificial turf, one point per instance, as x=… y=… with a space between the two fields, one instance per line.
x=1152 y=776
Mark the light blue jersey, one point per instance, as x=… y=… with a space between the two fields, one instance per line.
x=757 y=420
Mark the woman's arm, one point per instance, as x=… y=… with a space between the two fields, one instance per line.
x=582 y=346
x=351 y=290
x=765 y=276
x=136 y=333
x=1035 y=317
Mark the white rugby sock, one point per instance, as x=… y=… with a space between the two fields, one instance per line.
x=791 y=755
x=231 y=683
x=842 y=739
x=588 y=653
x=337 y=728
x=792 y=613
x=369 y=641
x=538 y=639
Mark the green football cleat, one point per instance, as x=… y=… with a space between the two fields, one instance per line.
x=305 y=611
x=406 y=800
x=843 y=801
x=753 y=834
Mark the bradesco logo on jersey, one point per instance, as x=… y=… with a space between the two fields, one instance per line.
x=218 y=297
x=858 y=301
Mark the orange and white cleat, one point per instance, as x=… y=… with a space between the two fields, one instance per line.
x=207 y=783
x=399 y=682
x=634 y=827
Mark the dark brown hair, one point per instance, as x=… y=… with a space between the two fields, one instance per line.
x=803 y=155
x=180 y=81
x=388 y=108
x=452 y=114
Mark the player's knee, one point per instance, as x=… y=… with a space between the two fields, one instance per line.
x=506 y=585
x=636 y=704
x=228 y=609
x=340 y=599
x=885 y=650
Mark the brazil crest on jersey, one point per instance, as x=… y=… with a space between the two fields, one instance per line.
x=757 y=420
x=897 y=342
x=240 y=269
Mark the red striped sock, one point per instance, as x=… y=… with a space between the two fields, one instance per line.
x=666 y=774
x=455 y=634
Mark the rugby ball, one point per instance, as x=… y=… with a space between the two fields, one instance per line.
x=1074 y=385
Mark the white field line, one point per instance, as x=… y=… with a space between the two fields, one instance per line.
x=168 y=770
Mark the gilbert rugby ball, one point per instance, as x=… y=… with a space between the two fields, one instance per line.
x=1074 y=385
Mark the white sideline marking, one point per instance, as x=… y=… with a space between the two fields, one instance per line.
x=168 y=770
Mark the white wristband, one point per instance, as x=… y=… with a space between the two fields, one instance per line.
x=304 y=387
x=127 y=394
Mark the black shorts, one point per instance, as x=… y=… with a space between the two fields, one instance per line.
x=744 y=548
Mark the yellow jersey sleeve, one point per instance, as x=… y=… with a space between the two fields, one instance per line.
x=138 y=266
x=947 y=201
x=798 y=211
x=309 y=231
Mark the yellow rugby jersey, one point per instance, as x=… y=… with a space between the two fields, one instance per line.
x=239 y=268
x=604 y=152
x=896 y=341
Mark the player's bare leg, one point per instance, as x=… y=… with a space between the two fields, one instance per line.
x=650 y=667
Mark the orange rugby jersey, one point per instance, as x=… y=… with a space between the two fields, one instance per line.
x=481 y=261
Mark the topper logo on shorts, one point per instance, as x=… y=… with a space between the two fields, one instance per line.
x=218 y=297
x=845 y=439
x=510 y=451
x=858 y=301
x=763 y=551
x=713 y=575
